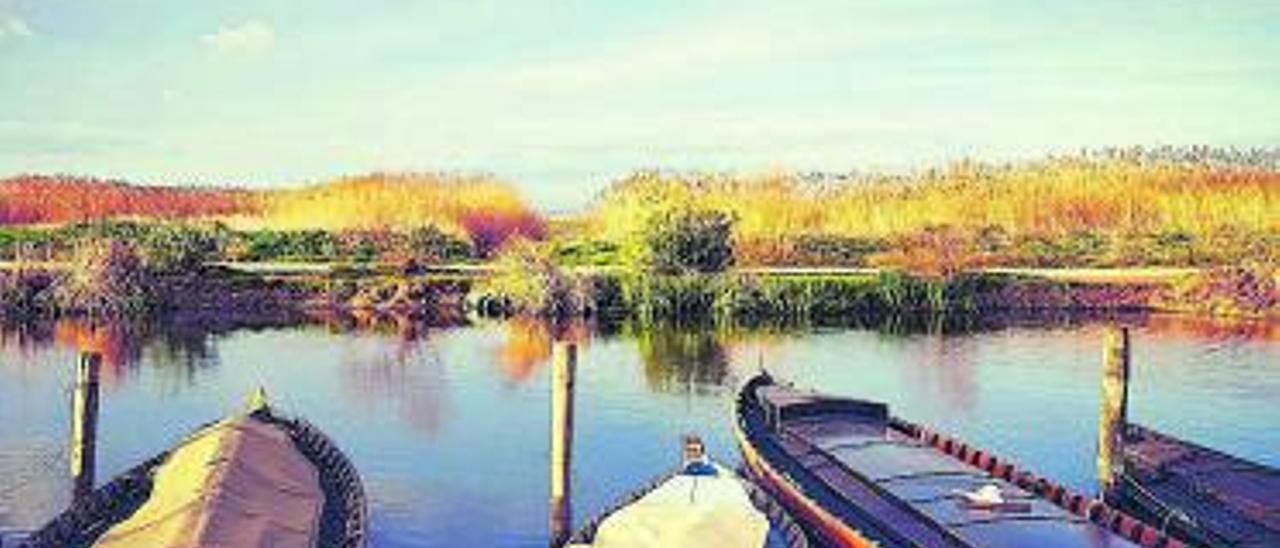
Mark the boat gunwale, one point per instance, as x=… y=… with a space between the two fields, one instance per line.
x=846 y=521
x=829 y=527
x=342 y=523
x=1092 y=510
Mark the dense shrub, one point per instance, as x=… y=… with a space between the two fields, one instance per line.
x=682 y=240
x=108 y=278
x=528 y=282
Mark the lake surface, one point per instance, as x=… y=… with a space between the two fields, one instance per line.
x=449 y=426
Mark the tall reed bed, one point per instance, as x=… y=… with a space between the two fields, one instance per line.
x=1070 y=207
x=487 y=210
x=41 y=199
x=483 y=210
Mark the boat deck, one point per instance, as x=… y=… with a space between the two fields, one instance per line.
x=909 y=490
x=1236 y=501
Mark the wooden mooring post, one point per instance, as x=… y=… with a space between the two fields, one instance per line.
x=84 y=424
x=1114 y=410
x=564 y=358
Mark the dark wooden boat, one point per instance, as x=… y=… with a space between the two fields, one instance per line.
x=1203 y=496
x=679 y=499
x=339 y=511
x=856 y=476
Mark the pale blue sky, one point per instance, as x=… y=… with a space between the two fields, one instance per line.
x=560 y=96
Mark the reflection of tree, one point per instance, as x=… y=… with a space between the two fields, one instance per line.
x=119 y=344
x=527 y=346
x=679 y=359
x=405 y=373
x=179 y=348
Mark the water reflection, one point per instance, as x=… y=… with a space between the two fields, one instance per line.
x=449 y=423
x=682 y=359
x=405 y=377
x=527 y=344
x=177 y=347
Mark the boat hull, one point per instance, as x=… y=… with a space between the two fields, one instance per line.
x=342 y=524
x=856 y=476
x=823 y=524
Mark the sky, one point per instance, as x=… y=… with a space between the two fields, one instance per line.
x=562 y=96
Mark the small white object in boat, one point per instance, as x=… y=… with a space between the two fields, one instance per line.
x=987 y=495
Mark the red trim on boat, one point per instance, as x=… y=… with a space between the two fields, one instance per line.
x=1095 y=510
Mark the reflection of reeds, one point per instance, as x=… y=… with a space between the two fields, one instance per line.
x=175 y=348
x=403 y=373
x=679 y=359
x=1214 y=328
x=527 y=346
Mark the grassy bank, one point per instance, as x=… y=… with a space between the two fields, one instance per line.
x=968 y=237
x=740 y=298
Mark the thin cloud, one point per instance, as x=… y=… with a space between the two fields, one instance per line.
x=12 y=27
x=252 y=36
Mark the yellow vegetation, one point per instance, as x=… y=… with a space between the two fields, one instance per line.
x=386 y=201
x=954 y=209
x=1050 y=198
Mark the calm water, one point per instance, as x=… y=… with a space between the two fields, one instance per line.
x=449 y=426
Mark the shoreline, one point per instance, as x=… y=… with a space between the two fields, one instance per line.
x=753 y=295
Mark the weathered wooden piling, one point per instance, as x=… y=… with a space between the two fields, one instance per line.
x=564 y=358
x=1114 y=410
x=84 y=423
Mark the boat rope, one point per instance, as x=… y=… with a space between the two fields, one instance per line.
x=1168 y=513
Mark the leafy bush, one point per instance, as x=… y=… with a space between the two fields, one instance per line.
x=528 y=282
x=683 y=240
